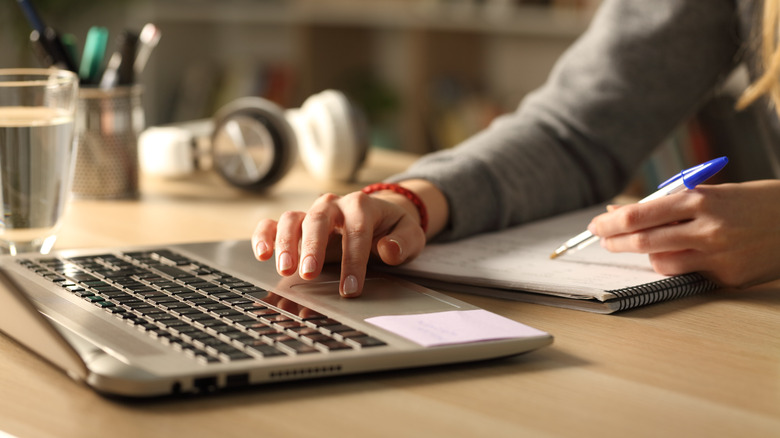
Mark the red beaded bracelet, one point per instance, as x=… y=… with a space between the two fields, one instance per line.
x=410 y=195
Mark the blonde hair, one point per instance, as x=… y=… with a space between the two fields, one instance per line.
x=769 y=82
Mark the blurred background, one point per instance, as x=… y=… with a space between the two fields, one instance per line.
x=427 y=73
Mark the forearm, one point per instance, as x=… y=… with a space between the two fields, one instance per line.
x=612 y=98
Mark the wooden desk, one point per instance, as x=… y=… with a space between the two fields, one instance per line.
x=706 y=366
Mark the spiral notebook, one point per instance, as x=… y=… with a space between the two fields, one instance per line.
x=515 y=264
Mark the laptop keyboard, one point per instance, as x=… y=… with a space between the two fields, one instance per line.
x=206 y=314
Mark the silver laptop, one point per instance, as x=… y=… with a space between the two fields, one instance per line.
x=192 y=318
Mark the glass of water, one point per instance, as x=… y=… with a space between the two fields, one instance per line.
x=37 y=151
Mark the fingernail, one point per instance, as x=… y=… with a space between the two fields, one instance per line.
x=308 y=265
x=350 y=286
x=592 y=228
x=284 y=262
x=261 y=249
x=398 y=245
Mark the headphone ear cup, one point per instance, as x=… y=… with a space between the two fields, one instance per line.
x=258 y=116
x=331 y=139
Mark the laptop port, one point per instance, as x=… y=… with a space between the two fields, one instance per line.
x=205 y=384
x=237 y=380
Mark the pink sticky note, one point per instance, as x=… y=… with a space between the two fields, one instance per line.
x=455 y=327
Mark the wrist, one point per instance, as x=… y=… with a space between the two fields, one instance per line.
x=407 y=198
x=434 y=201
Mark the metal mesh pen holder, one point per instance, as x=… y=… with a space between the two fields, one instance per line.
x=108 y=126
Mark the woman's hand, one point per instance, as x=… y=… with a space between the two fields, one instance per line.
x=729 y=232
x=350 y=228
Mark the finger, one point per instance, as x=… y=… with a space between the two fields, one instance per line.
x=288 y=237
x=726 y=269
x=403 y=243
x=678 y=262
x=635 y=217
x=666 y=238
x=263 y=239
x=357 y=238
x=317 y=228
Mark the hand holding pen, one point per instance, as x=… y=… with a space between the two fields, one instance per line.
x=687 y=179
x=728 y=232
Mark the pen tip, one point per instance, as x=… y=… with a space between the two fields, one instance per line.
x=561 y=250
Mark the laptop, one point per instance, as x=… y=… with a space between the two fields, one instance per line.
x=201 y=317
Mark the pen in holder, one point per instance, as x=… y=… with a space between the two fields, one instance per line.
x=108 y=126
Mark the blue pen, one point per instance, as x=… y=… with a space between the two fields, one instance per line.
x=687 y=179
x=46 y=37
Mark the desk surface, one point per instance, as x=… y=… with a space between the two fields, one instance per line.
x=704 y=366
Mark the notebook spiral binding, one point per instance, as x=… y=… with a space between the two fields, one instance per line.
x=662 y=290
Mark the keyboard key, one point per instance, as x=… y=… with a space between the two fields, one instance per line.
x=75 y=288
x=316 y=337
x=80 y=276
x=174 y=305
x=295 y=346
x=165 y=255
x=165 y=284
x=184 y=311
x=352 y=334
x=235 y=354
x=160 y=298
x=214 y=307
x=366 y=341
x=172 y=271
x=262 y=330
x=265 y=350
x=197 y=335
x=289 y=324
x=333 y=345
x=212 y=290
x=227 y=296
x=276 y=337
x=264 y=312
x=337 y=328
x=54 y=277
x=239 y=318
x=320 y=322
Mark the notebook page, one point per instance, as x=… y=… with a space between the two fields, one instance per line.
x=519 y=258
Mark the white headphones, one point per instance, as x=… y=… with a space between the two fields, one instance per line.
x=332 y=138
x=252 y=142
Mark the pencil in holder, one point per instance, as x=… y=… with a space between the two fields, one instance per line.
x=108 y=126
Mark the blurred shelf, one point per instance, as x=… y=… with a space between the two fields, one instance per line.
x=497 y=18
x=433 y=59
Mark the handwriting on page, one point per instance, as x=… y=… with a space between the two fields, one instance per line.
x=454 y=327
x=518 y=257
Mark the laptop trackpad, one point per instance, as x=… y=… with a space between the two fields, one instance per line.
x=381 y=296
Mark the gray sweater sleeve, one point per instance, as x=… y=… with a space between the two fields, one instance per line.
x=634 y=75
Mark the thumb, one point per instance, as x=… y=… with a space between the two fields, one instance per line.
x=403 y=243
